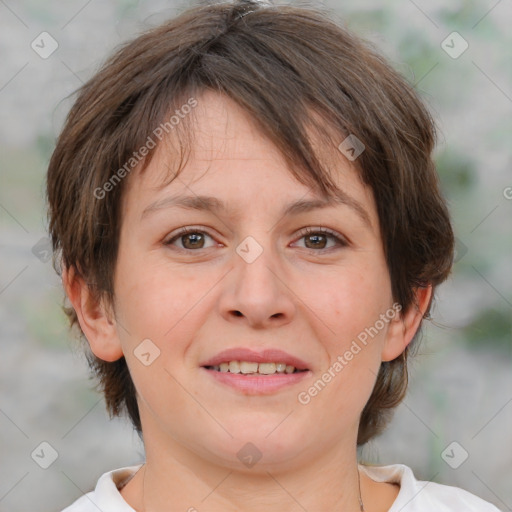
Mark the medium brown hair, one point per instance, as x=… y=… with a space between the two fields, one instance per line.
x=290 y=68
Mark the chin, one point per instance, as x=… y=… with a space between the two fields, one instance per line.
x=260 y=445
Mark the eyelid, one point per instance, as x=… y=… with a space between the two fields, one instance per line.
x=185 y=230
x=342 y=241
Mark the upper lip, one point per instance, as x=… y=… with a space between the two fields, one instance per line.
x=269 y=355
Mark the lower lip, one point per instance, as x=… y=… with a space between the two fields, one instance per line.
x=258 y=384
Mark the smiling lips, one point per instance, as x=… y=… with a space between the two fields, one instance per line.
x=256 y=372
x=247 y=368
x=250 y=361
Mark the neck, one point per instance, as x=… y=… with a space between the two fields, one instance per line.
x=190 y=483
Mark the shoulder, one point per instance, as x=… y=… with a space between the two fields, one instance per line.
x=422 y=496
x=106 y=496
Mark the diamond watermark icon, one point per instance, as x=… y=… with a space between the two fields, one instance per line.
x=454 y=455
x=249 y=455
x=454 y=45
x=146 y=352
x=351 y=147
x=42 y=250
x=459 y=251
x=44 y=45
x=249 y=249
x=44 y=455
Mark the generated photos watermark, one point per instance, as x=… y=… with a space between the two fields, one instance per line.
x=304 y=397
x=137 y=156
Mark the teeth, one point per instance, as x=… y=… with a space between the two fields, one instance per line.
x=280 y=367
x=248 y=367
x=234 y=367
x=267 y=368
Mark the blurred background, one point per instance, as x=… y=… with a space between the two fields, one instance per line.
x=454 y=427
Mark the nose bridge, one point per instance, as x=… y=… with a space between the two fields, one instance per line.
x=255 y=277
x=256 y=290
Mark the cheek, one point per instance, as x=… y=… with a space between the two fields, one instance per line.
x=157 y=302
x=153 y=293
x=349 y=300
x=357 y=304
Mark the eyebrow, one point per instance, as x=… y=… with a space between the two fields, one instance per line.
x=217 y=206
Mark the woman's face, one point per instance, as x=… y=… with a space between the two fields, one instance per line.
x=253 y=273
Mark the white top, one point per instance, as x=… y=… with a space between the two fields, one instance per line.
x=414 y=495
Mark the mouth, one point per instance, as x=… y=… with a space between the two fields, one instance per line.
x=255 y=373
x=253 y=368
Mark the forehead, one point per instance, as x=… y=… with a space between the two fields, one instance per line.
x=226 y=147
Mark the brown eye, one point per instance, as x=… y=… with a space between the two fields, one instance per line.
x=317 y=239
x=193 y=241
x=189 y=239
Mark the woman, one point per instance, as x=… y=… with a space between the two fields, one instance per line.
x=251 y=233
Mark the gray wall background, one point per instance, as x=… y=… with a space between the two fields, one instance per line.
x=461 y=385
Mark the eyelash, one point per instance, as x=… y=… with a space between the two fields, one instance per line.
x=340 y=240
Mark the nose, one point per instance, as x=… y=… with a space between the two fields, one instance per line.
x=257 y=292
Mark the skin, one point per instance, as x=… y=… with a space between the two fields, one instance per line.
x=305 y=299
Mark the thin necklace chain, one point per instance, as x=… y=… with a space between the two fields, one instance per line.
x=361 y=504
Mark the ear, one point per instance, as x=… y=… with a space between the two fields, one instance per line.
x=93 y=316
x=404 y=326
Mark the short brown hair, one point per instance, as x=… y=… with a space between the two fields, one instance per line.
x=280 y=64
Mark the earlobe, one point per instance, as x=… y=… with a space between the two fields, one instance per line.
x=97 y=326
x=405 y=325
